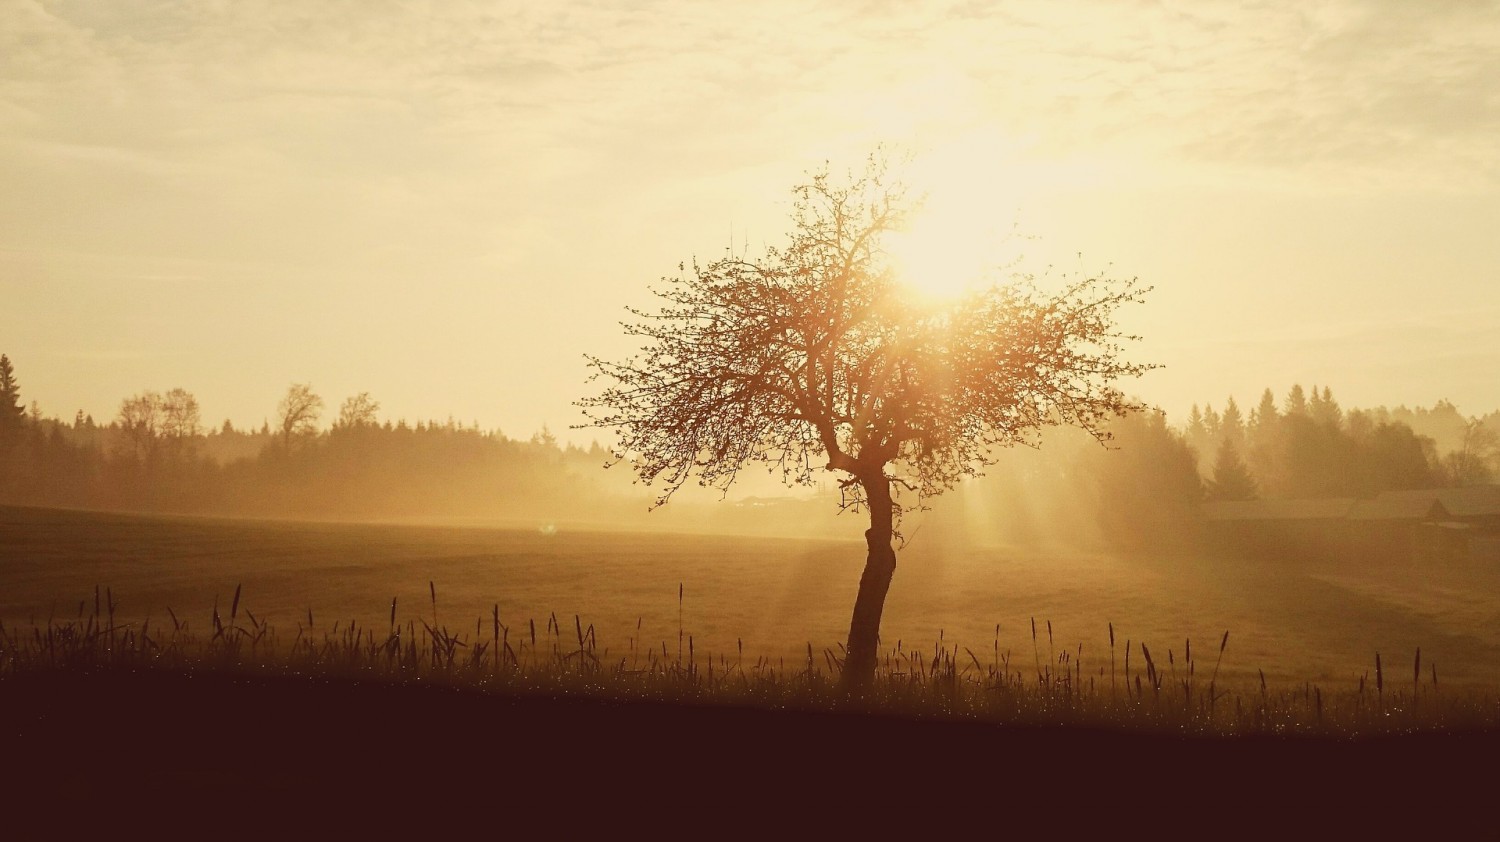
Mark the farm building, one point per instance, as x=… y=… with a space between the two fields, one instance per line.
x=1438 y=524
x=1469 y=524
x=1286 y=529
x=1475 y=505
x=1395 y=527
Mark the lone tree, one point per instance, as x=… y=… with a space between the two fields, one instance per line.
x=815 y=356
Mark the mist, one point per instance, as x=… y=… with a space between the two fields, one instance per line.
x=695 y=414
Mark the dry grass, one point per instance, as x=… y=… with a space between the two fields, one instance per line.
x=1059 y=685
x=728 y=620
x=767 y=596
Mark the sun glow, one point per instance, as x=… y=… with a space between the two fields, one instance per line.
x=943 y=254
x=963 y=234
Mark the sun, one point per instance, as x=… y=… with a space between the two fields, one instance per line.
x=962 y=235
x=942 y=254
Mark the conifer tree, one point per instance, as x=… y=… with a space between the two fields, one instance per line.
x=1325 y=410
x=1232 y=424
x=1195 y=429
x=1232 y=479
x=1196 y=433
x=1265 y=415
x=1296 y=401
x=12 y=411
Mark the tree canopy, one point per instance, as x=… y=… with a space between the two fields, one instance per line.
x=815 y=355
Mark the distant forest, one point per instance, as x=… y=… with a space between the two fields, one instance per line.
x=311 y=461
x=156 y=455
x=1146 y=486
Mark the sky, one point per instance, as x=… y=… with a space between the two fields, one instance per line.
x=447 y=204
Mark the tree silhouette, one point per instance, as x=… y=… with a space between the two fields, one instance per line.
x=1390 y=457
x=141 y=418
x=180 y=421
x=1265 y=415
x=12 y=426
x=1317 y=449
x=1231 y=479
x=1232 y=424
x=1213 y=425
x=1470 y=463
x=1296 y=401
x=298 y=412
x=1148 y=490
x=12 y=411
x=1196 y=431
x=358 y=411
x=814 y=357
x=1325 y=410
x=1261 y=437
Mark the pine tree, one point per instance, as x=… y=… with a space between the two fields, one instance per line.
x=1232 y=424
x=12 y=411
x=1196 y=433
x=1325 y=410
x=10 y=391
x=1296 y=401
x=1232 y=479
x=1195 y=429
x=1265 y=415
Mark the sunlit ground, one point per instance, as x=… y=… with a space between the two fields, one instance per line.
x=774 y=595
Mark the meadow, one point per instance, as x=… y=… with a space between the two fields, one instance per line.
x=751 y=598
x=248 y=679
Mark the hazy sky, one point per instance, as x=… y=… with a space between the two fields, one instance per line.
x=447 y=203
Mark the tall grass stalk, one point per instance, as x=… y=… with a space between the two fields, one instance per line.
x=937 y=682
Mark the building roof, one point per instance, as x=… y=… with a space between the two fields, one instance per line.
x=1434 y=504
x=1399 y=506
x=1469 y=501
x=1332 y=509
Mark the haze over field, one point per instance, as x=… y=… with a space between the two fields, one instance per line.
x=248 y=251
x=743 y=600
x=516 y=413
x=446 y=205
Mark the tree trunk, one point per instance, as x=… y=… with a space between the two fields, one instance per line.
x=880 y=564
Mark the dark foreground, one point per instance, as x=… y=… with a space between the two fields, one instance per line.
x=152 y=755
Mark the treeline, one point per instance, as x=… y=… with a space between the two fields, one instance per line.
x=156 y=455
x=1145 y=486
x=1308 y=446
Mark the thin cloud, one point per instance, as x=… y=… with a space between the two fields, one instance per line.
x=450 y=157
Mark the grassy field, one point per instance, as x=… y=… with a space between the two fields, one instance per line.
x=773 y=596
x=255 y=727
